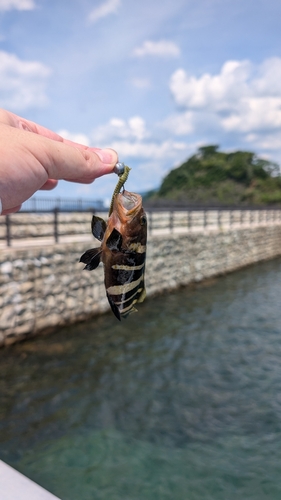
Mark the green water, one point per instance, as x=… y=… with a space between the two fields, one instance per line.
x=181 y=401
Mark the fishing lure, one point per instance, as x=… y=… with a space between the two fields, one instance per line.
x=122 y=249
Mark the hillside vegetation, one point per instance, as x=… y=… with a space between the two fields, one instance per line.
x=211 y=176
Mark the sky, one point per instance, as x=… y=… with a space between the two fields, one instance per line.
x=154 y=79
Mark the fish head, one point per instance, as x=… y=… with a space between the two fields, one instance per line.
x=131 y=215
x=127 y=205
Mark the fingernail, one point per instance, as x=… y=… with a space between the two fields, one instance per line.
x=107 y=155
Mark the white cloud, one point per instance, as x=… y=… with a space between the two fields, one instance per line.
x=267 y=142
x=152 y=160
x=22 y=83
x=134 y=129
x=162 y=48
x=255 y=113
x=17 y=4
x=103 y=10
x=134 y=143
x=75 y=137
x=243 y=97
x=163 y=150
x=267 y=81
x=180 y=124
x=151 y=157
x=214 y=92
x=131 y=139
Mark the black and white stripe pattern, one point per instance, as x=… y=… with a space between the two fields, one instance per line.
x=126 y=284
x=122 y=251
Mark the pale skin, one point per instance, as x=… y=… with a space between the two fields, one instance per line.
x=33 y=157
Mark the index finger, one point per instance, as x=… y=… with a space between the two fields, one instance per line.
x=22 y=123
x=66 y=161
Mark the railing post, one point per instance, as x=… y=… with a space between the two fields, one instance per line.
x=8 y=231
x=205 y=218
x=56 y=231
x=189 y=219
x=219 y=218
x=150 y=226
x=171 y=221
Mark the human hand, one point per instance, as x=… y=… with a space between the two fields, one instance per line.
x=33 y=157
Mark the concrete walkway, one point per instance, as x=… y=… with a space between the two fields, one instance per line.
x=15 y=486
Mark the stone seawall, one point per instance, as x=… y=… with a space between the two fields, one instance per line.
x=44 y=287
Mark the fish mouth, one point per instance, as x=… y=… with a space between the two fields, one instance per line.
x=128 y=203
x=129 y=200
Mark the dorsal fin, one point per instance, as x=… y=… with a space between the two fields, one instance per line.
x=98 y=227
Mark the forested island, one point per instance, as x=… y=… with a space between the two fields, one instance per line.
x=214 y=177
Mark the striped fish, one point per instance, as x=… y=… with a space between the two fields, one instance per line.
x=122 y=251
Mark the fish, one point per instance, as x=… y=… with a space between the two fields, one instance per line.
x=122 y=252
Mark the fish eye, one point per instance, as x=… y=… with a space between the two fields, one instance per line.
x=143 y=220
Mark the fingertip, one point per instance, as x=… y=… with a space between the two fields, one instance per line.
x=108 y=156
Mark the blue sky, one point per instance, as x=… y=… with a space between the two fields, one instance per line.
x=154 y=79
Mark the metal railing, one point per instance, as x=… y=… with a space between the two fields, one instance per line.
x=198 y=219
x=45 y=205
x=49 y=226
x=57 y=226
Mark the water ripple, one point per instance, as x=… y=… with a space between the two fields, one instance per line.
x=182 y=400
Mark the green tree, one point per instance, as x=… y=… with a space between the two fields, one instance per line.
x=214 y=176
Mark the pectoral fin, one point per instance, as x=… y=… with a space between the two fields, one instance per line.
x=98 y=227
x=91 y=258
x=114 y=240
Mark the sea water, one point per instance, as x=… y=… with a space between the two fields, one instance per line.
x=180 y=401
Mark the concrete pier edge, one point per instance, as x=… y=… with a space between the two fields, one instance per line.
x=16 y=486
